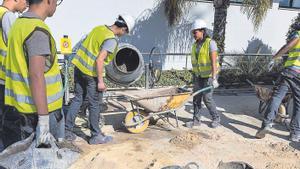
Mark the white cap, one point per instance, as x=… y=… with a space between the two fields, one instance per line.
x=129 y=20
x=199 y=24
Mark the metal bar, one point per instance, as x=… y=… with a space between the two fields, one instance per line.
x=166 y=121
x=146 y=76
x=188 y=54
x=186 y=62
x=175 y=113
x=66 y=86
x=221 y=54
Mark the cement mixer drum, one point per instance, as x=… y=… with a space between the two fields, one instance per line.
x=127 y=67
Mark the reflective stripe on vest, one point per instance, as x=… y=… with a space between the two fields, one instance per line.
x=84 y=64
x=29 y=100
x=17 y=85
x=294 y=56
x=3 y=47
x=19 y=78
x=202 y=65
x=87 y=54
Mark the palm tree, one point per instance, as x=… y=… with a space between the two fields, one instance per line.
x=255 y=10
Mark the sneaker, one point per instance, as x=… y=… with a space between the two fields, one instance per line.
x=261 y=133
x=192 y=124
x=100 y=139
x=295 y=138
x=69 y=135
x=215 y=123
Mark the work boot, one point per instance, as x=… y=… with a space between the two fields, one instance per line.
x=100 y=139
x=295 y=138
x=215 y=123
x=69 y=135
x=265 y=129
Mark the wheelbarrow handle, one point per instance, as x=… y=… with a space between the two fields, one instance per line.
x=202 y=90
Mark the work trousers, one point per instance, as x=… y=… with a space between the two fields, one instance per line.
x=207 y=97
x=290 y=80
x=85 y=87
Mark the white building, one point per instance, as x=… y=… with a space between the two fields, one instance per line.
x=76 y=17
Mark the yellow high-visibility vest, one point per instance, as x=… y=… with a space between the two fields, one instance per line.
x=294 y=56
x=3 y=46
x=202 y=65
x=17 y=88
x=87 y=54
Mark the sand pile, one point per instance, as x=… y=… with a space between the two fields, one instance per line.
x=187 y=140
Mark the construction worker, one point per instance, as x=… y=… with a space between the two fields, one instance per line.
x=205 y=70
x=33 y=86
x=97 y=50
x=7 y=17
x=290 y=80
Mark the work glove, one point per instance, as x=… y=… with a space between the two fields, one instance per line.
x=43 y=135
x=215 y=83
x=271 y=65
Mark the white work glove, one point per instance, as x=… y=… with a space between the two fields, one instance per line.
x=43 y=135
x=215 y=83
x=271 y=65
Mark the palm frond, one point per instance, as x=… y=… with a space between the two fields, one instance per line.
x=256 y=10
x=175 y=9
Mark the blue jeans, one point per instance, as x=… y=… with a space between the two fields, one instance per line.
x=207 y=97
x=290 y=80
x=85 y=86
x=18 y=126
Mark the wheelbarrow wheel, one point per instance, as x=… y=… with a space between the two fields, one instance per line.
x=133 y=117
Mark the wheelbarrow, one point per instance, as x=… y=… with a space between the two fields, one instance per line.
x=161 y=102
x=264 y=95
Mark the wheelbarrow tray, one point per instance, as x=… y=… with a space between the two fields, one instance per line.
x=158 y=100
x=264 y=94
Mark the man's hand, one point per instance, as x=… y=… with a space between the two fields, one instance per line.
x=43 y=135
x=101 y=86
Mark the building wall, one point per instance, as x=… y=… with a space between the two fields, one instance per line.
x=76 y=18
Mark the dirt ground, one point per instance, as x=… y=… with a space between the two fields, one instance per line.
x=161 y=145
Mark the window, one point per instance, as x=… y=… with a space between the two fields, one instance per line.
x=233 y=1
x=236 y=1
x=289 y=3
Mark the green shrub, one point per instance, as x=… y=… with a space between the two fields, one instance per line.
x=248 y=67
